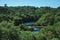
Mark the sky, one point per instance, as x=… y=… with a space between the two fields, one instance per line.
x=36 y=3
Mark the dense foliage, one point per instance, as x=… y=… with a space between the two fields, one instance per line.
x=12 y=21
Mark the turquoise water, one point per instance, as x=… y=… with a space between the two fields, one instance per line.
x=29 y=23
x=36 y=29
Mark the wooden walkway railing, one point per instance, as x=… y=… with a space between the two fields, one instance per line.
x=35 y=27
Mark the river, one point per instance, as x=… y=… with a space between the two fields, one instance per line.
x=31 y=24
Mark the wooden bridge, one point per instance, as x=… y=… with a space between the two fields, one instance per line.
x=31 y=28
x=36 y=27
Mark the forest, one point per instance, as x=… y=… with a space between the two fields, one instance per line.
x=13 y=19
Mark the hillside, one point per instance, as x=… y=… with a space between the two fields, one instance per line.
x=12 y=21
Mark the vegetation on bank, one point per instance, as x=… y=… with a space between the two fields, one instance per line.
x=12 y=19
